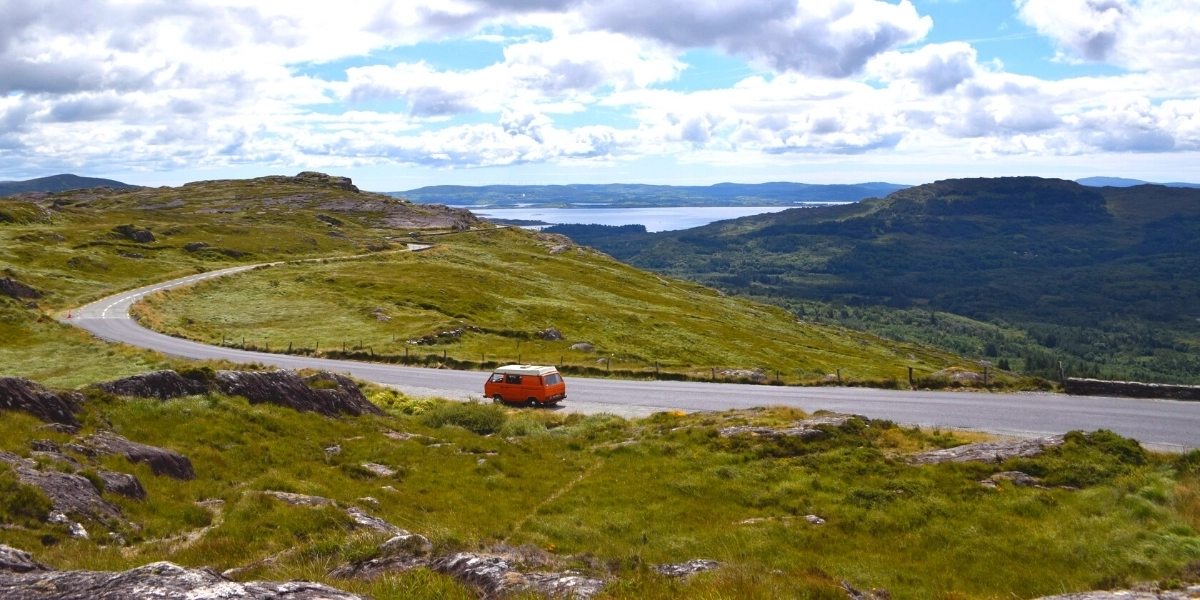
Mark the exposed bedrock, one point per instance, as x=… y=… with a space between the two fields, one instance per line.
x=23 y=579
x=163 y=385
x=51 y=406
x=328 y=394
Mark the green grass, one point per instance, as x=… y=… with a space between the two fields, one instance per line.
x=629 y=494
x=501 y=288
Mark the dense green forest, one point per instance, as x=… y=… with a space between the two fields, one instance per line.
x=1023 y=271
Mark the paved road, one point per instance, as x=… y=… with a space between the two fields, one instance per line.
x=1164 y=424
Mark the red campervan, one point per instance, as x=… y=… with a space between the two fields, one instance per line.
x=526 y=383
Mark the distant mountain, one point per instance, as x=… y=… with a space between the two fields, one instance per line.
x=58 y=183
x=1104 y=279
x=635 y=195
x=1123 y=182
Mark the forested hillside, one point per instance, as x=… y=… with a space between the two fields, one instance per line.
x=1024 y=271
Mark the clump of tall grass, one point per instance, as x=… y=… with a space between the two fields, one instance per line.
x=483 y=419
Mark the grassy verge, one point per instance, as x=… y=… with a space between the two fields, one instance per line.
x=619 y=495
x=480 y=300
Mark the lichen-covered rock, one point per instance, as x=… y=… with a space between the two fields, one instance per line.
x=495 y=576
x=116 y=483
x=808 y=429
x=69 y=493
x=992 y=452
x=163 y=385
x=691 y=567
x=48 y=405
x=1152 y=594
x=363 y=519
x=161 y=580
x=123 y=484
x=300 y=499
x=13 y=560
x=550 y=334
x=1016 y=478
x=161 y=461
x=328 y=394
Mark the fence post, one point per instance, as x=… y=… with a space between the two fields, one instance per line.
x=243 y=342
x=1062 y=373
x=656 y=369
x=714 y=373
x=289 y=347
x=839 y=373
x=985 y=374
x=443 y=355
x=268 y=346
x=608 y=365
x=910 y=378
x=343 y=347
x=316 y=348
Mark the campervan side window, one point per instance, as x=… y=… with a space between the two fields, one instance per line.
x=515 y=379
x=553 y=378
x=497 y=377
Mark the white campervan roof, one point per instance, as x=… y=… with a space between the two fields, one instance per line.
x=525 y=370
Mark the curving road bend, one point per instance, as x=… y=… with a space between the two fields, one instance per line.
x=1162 y=424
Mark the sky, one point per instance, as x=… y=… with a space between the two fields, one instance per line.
x=399 y=95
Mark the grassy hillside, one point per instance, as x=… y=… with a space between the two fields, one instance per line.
x=1025 y=272
x=58 y=183
x=74 y=247
x=610 y=497
x=494 y=291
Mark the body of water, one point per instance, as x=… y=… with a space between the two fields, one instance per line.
x=668 y=218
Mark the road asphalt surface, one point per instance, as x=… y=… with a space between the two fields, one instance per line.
x=1160 y=424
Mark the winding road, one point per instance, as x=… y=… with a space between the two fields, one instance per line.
x=1161 y=424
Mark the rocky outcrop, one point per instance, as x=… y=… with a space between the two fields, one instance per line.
x=161 y=461
x=18 y=561
x=123 y=484
x=328 y=394
x=163 y=385
x=156 y=580
x=68 y=492
x=1147 y=594
x=365 y=520
x=15 y=289
x=48 y=405
x=808 y=429
x=116 y=483
x=757 y=376
x=550 y=334
x=583 y=347
x=495 y=576
x=1130 y=389
x=685 y=569
x=313 y=177
x=133 y=233
x=1016 y=478
x=990 y=452
x=194 y=246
